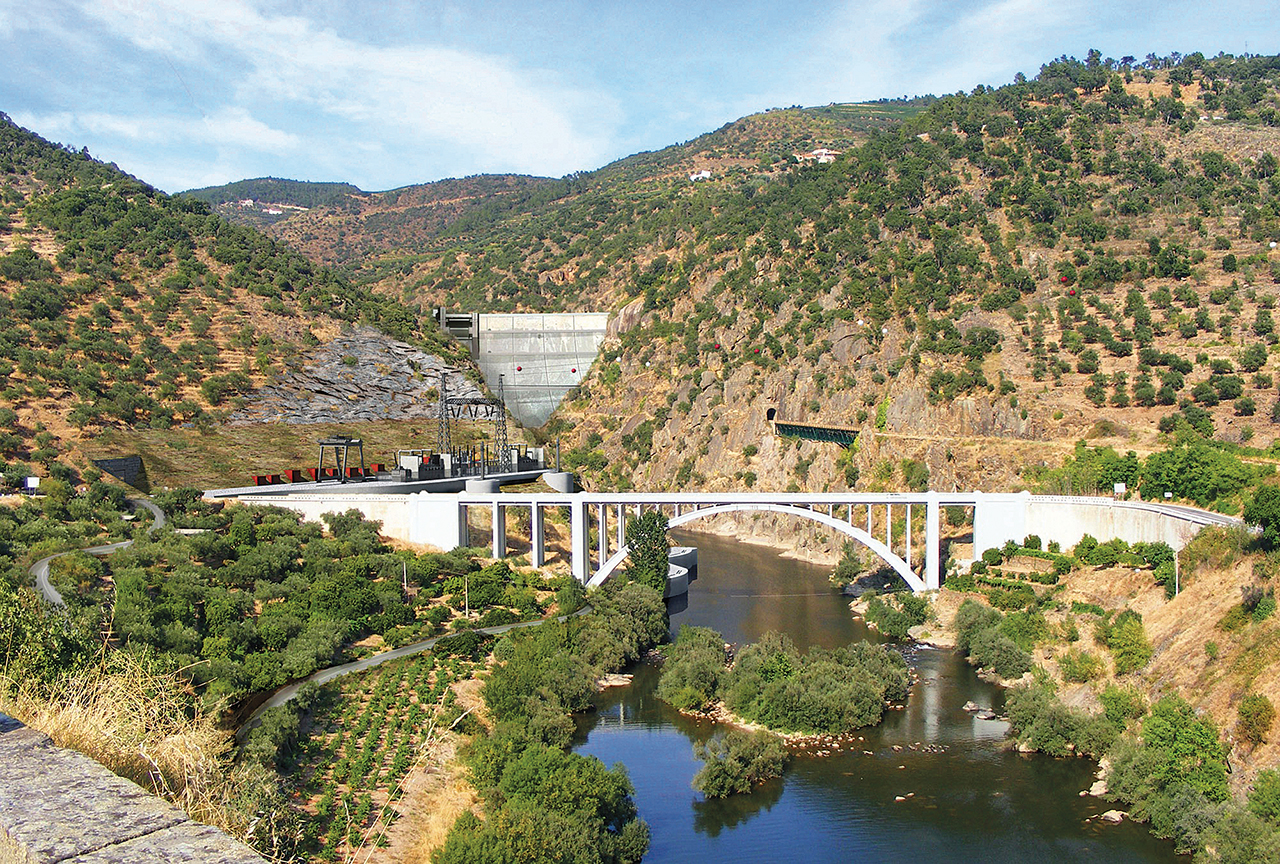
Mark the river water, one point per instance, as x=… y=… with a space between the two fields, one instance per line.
x=967 y=798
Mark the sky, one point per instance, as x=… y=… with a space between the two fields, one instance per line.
x=192 y=93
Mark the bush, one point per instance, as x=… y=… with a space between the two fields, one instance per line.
x=990 y=649
x=832 y=691
x=1264 y=798
x=1127 y=639
x=1256 y=715
x=971 y=618
x=993 y=557
x=1080 y=666
x=911 y=610
x=1042 y=722
x=692 y=669
x=1104 y=556
x=738 y=761
x=1122 y=704
x=1237 y=836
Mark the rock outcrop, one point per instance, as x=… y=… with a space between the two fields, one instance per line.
x=359 y=376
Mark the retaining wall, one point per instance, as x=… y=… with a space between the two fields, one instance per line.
x=58 y=805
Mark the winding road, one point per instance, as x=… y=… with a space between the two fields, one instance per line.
x=289 y=691
x=40 y=569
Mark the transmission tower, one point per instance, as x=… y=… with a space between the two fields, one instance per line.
x=500 y=429
x=443 y=442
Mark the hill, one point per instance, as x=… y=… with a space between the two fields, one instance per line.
x=975 y=286
x=397 y=240
x=264 y=201
x=122 y=307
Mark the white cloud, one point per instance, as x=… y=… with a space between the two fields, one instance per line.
x=230 y=127
x=498 y=116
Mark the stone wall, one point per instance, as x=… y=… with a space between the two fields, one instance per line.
x=58 y=805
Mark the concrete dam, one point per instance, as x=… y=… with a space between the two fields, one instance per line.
x=539 y=357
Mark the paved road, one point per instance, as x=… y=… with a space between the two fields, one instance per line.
x=286 y=693
x=40 y=569
x=1195 y=514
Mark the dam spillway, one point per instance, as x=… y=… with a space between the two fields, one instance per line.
x=540 y=357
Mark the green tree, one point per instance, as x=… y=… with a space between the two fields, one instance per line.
x=1264 y=798
x=1264 y=510
x=647 y=544
x=738 y=761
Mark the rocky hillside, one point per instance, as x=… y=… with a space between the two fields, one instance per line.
x=124 y=308
x=359 y=377
x=1084 y=254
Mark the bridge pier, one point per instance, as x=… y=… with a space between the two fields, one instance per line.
x=537 y=536
x=499 y=535
x=580 y=541
x=907 y=557
x=932 y=544
x=602 y=532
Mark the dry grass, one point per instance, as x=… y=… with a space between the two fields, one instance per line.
x=436 y=794
x=227 y=455
x=141 y=725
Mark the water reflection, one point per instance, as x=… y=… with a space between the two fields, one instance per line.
x=713 y=815
x=965 y=797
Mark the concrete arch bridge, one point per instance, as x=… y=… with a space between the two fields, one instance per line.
x=881 y=522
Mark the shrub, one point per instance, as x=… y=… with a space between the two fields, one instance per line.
x=971 y=618
x=1040 y=720
x=1011 y=597
x=895 y=621
x=1264 y=798
x=1166 y=575
x=1025 y=628
x=1085 y=547
x=1128 y=642
x=993 y=557
x=1104 y=556
x=692 y=670
x=1122 y=704
x=1256 y=715
x=823 y=691
x=1079 y=666
x=991 y=649
x=1031 y=541
x=738 y=761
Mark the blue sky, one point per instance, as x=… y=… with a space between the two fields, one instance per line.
x=187 y=93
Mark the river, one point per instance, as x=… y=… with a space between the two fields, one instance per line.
x=966 y=797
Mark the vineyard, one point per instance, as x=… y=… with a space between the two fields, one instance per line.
x=366 y=732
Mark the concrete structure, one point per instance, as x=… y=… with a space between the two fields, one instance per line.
x=442 y=520
x=541 y=357
x=61 y=806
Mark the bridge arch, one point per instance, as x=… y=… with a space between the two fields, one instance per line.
x=899 y=566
